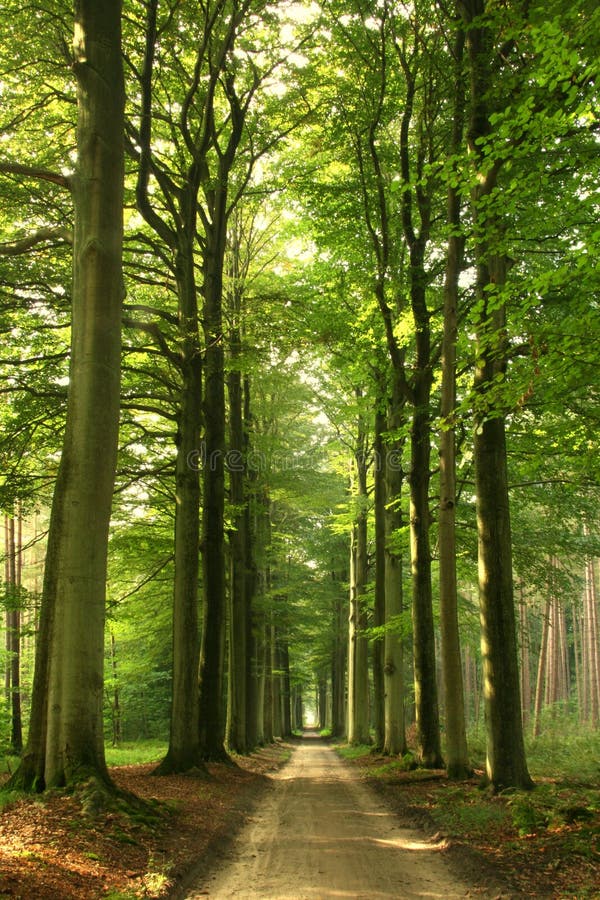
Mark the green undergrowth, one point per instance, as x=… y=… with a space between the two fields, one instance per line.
x=135 y=754
x=571 y=752
x=552 y=829
x=8 y=764
x=352 y=751
x=129 y=754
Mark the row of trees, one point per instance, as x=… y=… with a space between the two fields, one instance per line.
x=342 y=255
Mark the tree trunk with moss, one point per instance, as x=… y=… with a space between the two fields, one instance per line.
x=506 y=764
x=358 y=653
x=457 y=762
x=393 y=668
x=379 y=601
x=66 y=739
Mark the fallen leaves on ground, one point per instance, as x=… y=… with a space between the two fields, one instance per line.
x=506 y=837
x=51 y=850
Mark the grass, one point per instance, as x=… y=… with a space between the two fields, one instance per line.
x=129 y=754
x=352 y=751
x=551 y=833
x=8 y=764
x=572 y=751
x=135 y=754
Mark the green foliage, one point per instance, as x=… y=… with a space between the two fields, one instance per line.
x=406 y=763
x=312 y=327
x=138 y=753
x=8 y=763
x=528 y=817
x=558 y=805
x=460 y=809
x=352 y=751
x=565 y=747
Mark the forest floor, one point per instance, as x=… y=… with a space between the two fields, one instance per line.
x=57 y=848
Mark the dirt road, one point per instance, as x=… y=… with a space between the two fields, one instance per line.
x=320 y=833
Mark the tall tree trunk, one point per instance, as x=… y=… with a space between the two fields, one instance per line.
x=7 y=607
x=591 y=650
x=426 y=698
x=67 y=729
x=261 y=679
x=215 y=217
x=269 y=733
x=13 y=527
x=238 y=542
x=116 y=701
x=524 y=641
x=541 y=673
x=379 y=604
x=212 y=712
x=338 y=670
x=286 y=692
x=394 y=730
x=184 y=746
x=506 y=762
x=276 y=681
x=358 y=657
x=456 y=739
x=576 y=617
x=352 y=637
x=322 y=701
x=250 y=589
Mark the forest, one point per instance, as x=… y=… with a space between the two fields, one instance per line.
x=300 y=321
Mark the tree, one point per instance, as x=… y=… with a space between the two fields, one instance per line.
x=66 y=741
x=13 y=530
x=506 y=763
x=358 y=664
x=391 y=153
x=456 y=740
x=394 y=730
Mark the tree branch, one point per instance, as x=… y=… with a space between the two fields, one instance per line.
x=15 y=248
x=64 y=181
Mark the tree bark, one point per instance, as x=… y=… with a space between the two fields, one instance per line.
x=215 y=218
x=591 y=649
x=212 y=712
x=13 y=526
x=541 y=673
x=358 y=658
x=506 y=762
x=66 y=733
x=250 y=588
x=524 y=642
x=286 y=689
x=426 y=697
x=238 y=542
x=184 y=747
x=456 y=740
x=379 y=604
x=394 y=728
x=338 y=670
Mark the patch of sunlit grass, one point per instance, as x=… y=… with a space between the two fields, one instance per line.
x=352 y=751
x=135 y=754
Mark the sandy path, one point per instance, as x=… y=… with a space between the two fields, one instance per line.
x=321 y=833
